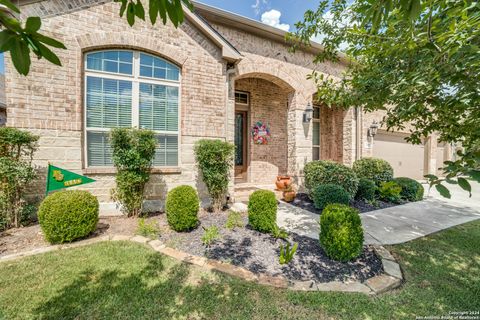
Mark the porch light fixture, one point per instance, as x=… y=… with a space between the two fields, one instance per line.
x=308 y=113
x=372 y=131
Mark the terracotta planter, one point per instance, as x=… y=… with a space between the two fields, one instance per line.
x=283 y=182
x=289 y=196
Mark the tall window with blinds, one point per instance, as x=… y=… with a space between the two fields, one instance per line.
x=130 y=89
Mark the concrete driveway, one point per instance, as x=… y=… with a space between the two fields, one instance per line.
x=398 y=224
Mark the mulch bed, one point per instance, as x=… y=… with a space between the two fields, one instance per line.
x=303 y=201
x=259 y=253
x=242 y=246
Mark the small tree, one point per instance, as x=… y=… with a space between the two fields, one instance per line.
x=16 y=172
x=133 y=151
x=215 y=160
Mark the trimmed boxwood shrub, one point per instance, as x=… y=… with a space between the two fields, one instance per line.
x=262 y=211
x=366 y=190
x=412 y=190
x=326 y=194
x=182 y=208
x=68 y=215
x=341 y=233
x=377 y=170
x=330 y=172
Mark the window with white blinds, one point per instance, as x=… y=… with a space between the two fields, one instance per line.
x=130 y=89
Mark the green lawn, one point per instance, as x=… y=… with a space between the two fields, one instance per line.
x=128 y=281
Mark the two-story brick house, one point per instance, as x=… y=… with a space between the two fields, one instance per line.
x=216 y=76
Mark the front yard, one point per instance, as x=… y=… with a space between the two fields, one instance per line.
x=125 y=281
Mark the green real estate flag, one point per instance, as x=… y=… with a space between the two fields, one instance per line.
x=60 y=179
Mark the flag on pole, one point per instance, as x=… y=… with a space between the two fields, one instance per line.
x=58 y=178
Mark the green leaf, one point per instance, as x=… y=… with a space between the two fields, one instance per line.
x=48 y=41
x=48 y=54
x=465 y=185
x=153 y=11
x=444 y=192
x=123 y=7
x=33 y=24
x=7 y=39
x=139 y=10
x=475 y=175
x=10 y=5
x=131 y=14
x=20 y=54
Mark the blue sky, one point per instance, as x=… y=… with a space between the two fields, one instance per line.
x=291 y=11
x=282 y=14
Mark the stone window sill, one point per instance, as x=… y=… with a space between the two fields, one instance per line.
x=111 y=170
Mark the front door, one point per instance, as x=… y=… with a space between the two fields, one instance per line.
x=241 y=146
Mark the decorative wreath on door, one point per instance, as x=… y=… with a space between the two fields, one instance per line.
x=260 y=133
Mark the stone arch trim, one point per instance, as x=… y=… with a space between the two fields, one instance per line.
x=119 y=40
x=276 y=72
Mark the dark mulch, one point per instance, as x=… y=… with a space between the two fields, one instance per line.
x=259 y=252
x=303 y=201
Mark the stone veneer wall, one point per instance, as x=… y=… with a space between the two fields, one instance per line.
x=269 y=104
x=53 y=107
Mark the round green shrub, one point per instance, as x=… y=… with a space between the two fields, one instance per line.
x=182 y=208
x=326 y=194
x=412 y=190
x=377 y=170
x=341 y=233
x=366 y=190
x=68 y=215
x=262 y=211
x=330 y=172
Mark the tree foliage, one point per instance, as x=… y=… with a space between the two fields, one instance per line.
x=20 y=39
x=417 y=60
x=16 y=173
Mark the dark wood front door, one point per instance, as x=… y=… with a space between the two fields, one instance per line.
x=241 y=145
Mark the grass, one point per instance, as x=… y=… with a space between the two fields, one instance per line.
x=129 y=281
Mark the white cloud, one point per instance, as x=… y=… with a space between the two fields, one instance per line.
x=328 y=16
x=257 y=7
x=272 y=18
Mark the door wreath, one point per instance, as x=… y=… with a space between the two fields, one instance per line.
x=260 y=133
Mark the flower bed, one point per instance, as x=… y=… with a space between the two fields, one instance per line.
x=259 y=252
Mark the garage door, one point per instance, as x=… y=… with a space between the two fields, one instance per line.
x=405 y=158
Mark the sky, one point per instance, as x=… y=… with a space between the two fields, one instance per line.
x=282 y=14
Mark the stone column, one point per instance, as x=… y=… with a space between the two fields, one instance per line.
x=430 y=158
x=299 y=136
x=349 y=137
x=230 y=122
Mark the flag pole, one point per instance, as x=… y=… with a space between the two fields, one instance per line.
x=48 y=180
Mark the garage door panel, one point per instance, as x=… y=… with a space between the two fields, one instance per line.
x=405 y=158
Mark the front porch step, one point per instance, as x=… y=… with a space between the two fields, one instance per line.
x=243 y=191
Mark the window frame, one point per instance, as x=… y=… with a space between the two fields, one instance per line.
x=315 y=120
x=135 y=79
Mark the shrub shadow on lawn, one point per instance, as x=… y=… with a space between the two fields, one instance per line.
x=153 y=292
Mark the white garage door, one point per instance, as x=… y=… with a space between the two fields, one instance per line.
x=405 y=158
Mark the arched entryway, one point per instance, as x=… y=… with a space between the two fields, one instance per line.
x=261 y=128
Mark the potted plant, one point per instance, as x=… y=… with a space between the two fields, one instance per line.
x=289 y=194
x=283 y=182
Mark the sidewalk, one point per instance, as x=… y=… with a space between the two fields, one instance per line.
x=397 y=224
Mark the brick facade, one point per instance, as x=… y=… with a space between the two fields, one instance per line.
x=49 y=101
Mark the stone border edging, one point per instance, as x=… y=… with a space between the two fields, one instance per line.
x=379 y=284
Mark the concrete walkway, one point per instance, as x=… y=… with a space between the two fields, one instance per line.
x=397 y=224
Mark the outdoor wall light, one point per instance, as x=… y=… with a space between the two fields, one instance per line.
x=372 y=131
x=308 y=113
